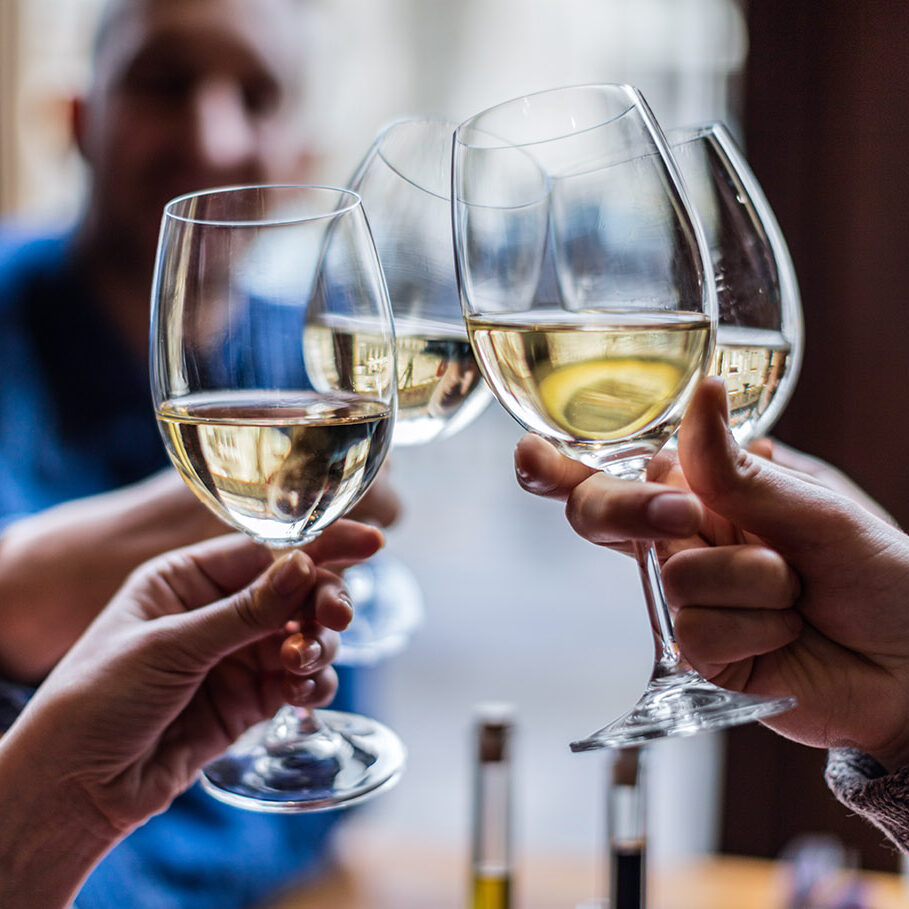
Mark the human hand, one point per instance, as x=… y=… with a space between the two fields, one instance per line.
x=183 y=659
x=60 y=566
x=819 y=471
x=779 y=585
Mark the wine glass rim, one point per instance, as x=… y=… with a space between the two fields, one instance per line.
x=682 y=135
x=630 y=90
x=402 y=121
x=353 y=202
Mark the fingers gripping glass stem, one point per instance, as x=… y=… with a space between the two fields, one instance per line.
x=589 y=294
x=273 y=363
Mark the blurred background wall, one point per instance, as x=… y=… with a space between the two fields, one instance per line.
x=517 y=607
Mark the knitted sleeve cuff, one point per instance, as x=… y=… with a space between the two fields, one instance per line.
x=862 y=784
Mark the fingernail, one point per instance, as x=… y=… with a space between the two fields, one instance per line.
x=302 y=688
x=521 y=474
x=344 y=597
x=308 y=652
x=531 y=483
x=673 y=513
x=290 y=574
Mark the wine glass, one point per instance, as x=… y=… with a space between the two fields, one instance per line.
x=760 y=336
x=590 y=304
x=405 y=183
x=278 y=417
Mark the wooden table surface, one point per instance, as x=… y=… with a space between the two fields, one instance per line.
x=380 y=873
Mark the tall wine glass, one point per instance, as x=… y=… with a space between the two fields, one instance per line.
x=760 y=337
x=591 y=307
x=405 y=183
x=278 y=423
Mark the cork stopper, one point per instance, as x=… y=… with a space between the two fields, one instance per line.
x=494 y=724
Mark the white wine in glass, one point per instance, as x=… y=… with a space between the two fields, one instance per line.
x=243 y=276
x=760 y=336
x=590 y=298
x=279 y=466
x=405 y=183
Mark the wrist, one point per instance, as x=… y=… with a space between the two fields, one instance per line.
x=51 y=836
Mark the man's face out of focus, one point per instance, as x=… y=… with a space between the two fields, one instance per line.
x=188 y=94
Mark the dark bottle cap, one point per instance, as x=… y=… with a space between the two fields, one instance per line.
x=494 y=724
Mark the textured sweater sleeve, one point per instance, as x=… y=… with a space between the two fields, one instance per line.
x=863 y=785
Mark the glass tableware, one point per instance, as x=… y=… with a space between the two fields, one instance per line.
x=589 y=297
x=760 y=336
x=277 y=414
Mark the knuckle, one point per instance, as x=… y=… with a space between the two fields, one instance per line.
x=246 y=608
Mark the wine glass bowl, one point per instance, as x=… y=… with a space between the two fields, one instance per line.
x=278 y=423
x=589 y=297
x=405 y=183
x=619 y=310
x=760 y=337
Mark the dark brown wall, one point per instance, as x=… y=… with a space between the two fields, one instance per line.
x=827 y=132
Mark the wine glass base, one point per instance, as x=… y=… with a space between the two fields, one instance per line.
x=388 y=608
x=679 y=706
x=349 y=759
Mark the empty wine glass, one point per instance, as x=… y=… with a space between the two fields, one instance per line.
x=590 y=302
x=405 y=183
x=278 y=418
x=760 y=336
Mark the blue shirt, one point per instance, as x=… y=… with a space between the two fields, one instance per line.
x=76 y=419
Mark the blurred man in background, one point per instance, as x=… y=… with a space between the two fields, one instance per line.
x=185 y=94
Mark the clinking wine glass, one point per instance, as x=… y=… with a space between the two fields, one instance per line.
x=590 y=303
x=760 y=336
x=278 y=425
x=405 y=183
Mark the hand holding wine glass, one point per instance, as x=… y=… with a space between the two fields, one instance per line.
x=278 y=434
x=186 y=655
x=782 y=585
x=590 y=301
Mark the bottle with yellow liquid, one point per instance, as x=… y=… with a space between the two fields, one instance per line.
x=491 y=865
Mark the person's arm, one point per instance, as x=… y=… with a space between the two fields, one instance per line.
x=182 y=661
x=51 y=836
x=58 y=567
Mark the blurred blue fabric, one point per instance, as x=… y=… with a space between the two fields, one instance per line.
x=76 y=419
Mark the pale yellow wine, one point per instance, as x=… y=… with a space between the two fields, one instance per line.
x=279 y=466
x=588 y=377
x=753 y=362
x=438 y=380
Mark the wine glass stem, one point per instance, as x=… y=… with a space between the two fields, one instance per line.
x=668 y=657
x=668 y=660
x=291 y=721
